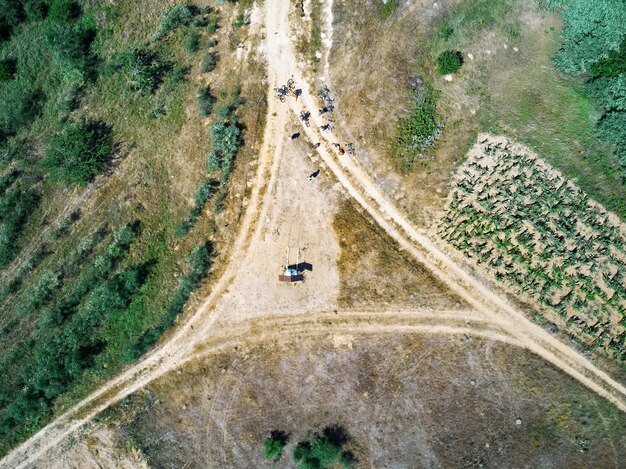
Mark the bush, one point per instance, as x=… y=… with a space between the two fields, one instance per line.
x=192 y=43
x=205 y=101
x=449 y=61
x=212 y=26
x=21 y=104
x=8 y=67
x=274 y=445
x=420 y=129
x=208 y=63
x=323 y=451
x=79 y=152
x=176 y=16
x=15 y=207
x=142 y=69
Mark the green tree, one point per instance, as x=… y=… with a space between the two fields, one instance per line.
x=77 y=153
x=593 y=29
x=274 y=445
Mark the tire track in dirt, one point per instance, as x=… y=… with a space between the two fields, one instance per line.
x=469 y=286
x=286 y=327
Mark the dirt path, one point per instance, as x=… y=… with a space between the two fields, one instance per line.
x=493 y=318
x=360 y=186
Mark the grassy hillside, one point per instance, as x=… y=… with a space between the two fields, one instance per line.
x=110 y=215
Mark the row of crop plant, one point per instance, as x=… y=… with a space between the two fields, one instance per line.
x=539 y=233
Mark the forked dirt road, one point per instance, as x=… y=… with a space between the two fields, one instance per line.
x=493 y=316
x=362 y=188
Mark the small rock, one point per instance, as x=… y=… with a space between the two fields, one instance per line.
x=518 y=422
x=515 y=49
x=184 y=407
x=470 y=56
x=448 y=77
x=505 y=46
x=473 y=383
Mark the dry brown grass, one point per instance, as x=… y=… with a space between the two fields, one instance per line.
x=406 y=401
x=374 y=271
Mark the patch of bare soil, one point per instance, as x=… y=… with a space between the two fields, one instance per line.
x=374 y=271
x=97 y=448
x=405 y=400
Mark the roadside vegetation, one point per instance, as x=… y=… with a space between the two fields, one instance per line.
x=101 y=190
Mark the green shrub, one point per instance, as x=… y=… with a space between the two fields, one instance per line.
x=16 y=205
x=192 y=42
x=21 y=104
x=142 y=69
x=240 y=21
x=420 y=129
x=388 y=7
x=174 y=17
x=205 y=101
x=8 y=67
x=212 y=26
x=78 y=152
x=208 y=63
x=323 y=451
x=274 y=445
x=612 y=129
x=449 y=61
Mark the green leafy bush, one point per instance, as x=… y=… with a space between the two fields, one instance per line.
x=192 y=42
x=205 y=101
x=208 y=62
x=212 y=25
x=174 y=17
x=323 y=451
x=199 y=263
x=449 y=61
x=78 y=152
x=203 y=193
x=8 y=67
x=274 y=445
x=15 y=207
x=419 y=129
x=142 y=69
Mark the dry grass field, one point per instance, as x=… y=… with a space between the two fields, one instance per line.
x=405 y=400
x=376 y=274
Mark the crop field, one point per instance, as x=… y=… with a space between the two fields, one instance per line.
x=539 y=233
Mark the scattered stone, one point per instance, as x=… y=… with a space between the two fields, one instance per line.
x=448 y=77
x=518 y=422
x=470 y=56
x=515 y=49
x=473 y=383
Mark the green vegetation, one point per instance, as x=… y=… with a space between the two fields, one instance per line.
x=173 y=18
x=199 y=263
x=449 y=61
x=16 y=204
x=594 y=44
x=78 y=153
x=225 y=142
x=203 y=193
x=323 y=451
x=318 y=451
x=206 y=100
x=274 y=445
x=540 y=234
x=78 y=83
x=388 y=7
x=192 y=42
x=420 y=129
x=208 y=62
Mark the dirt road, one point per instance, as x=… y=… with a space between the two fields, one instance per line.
x=494 y=317
x=360 y=186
